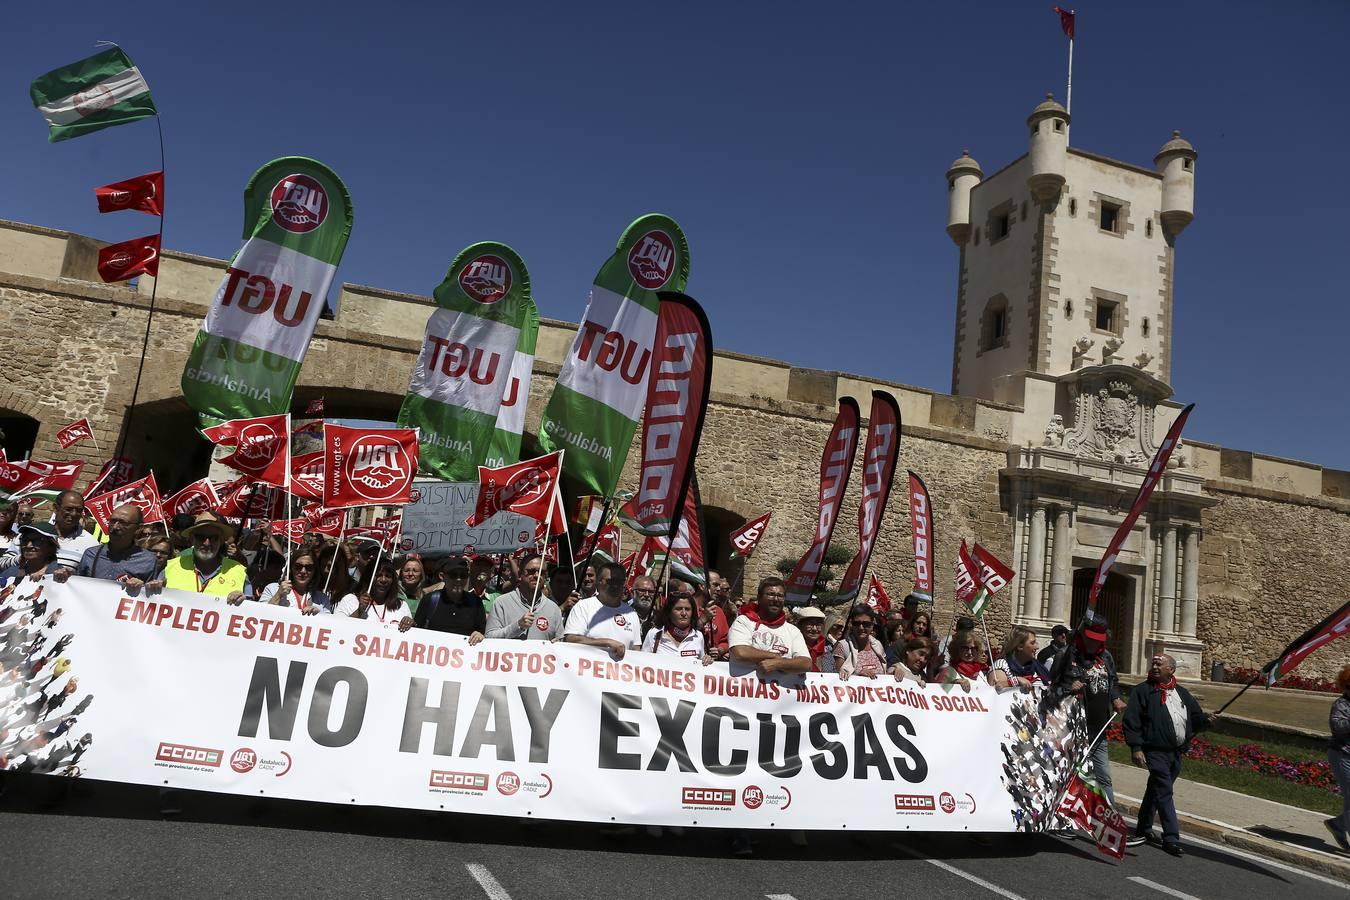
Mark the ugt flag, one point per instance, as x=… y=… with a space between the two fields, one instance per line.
x=196 y=497
x=247 y=355
x=368 y=466
x=504 y=447
x=260 y=446
x=144 y=193
x=73 y=433
x=462 y=372
x=529 y=488
x=98 y=92
x=602 y=387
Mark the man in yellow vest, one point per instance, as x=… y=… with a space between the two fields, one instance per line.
x=203 y=568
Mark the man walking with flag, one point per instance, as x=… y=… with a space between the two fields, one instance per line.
x=1160 y=720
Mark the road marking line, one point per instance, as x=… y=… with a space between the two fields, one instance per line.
x=960 y=873
x=491 y=886
x=779 y=897
x=1162 y=888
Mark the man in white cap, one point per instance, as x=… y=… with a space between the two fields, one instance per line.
x=204 y=568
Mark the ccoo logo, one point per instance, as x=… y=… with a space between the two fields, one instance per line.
x=377 y=468
x=486 y=279
x=652 y=260
x=299 y=204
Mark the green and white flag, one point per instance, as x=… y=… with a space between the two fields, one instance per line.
x=505 y=446
x=247 y=355
x=99 y=92
x=602 y=388
x=462 y=373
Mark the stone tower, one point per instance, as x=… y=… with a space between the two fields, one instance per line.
x=1066 y=260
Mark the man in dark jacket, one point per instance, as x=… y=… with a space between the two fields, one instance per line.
x=1161 y=717
x=1087 y=670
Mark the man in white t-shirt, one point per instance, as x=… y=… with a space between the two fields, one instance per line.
x=606 y=620
x=762 y=637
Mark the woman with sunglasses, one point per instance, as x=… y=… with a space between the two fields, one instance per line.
x=860 y=653
x=965 y=653
x=300 y=590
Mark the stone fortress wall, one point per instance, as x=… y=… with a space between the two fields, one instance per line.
x=1270 y=547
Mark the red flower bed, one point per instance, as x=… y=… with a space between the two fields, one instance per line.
x=1296 y=682
x=1252 y=758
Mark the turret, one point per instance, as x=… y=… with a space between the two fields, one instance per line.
x=1049 y=126
x=962 y=176
x=1175 y=162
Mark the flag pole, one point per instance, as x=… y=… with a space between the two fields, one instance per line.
x=548 y=533
x=287 y=576
x=150 y=313
x=1068 y=94
x=1255 y=679
x=337 y=551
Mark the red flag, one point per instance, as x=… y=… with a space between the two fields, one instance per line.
x=604 y=543
x=836 y=464
x=307 y=475
x=115 y=473
x=994 y=574
x=368 y=466
x=1333 y=626
x=686 y=548
x=138 y=256
x=677 y=399
x=968 y=582
x=529 y=488
x=1155 y=471
x=744 y=539
x=879 y=458
x=652 y=550
x=27 y=476
x=325 y=521
x=144 y=193
x=196 y=497
x=260 y=446
x=1066 y=17
x=1086 y=806
x=292 y=529
x=921 y=524
x=247 y=499
x=627 y=563
x=315 y=407
x=144 y=493
x=877 y=598
x=73 y=433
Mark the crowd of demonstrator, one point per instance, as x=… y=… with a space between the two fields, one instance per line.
x=525 y=598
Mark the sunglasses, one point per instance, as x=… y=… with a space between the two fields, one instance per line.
x=302 y=567
x=864 y=624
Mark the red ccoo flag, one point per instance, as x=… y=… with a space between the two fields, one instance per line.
x=744 y=539
x=877 y=598
x=144 y=193
x=73 y=433
x=260 y=446
x=1066 y=17
x=368 y=466
x=529 y=488
x=1324 y=632
x=138 y=256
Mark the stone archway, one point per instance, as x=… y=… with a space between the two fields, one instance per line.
x=1115 y=601
x=718 y=524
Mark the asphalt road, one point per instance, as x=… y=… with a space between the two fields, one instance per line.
x=105 y=840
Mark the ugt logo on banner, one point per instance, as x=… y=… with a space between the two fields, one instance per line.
x=368 y=466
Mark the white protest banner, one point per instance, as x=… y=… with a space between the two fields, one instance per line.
x=433 y=524
x=265 y=701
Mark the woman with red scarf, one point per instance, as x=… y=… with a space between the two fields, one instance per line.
x=965 y=654
x=674 y=633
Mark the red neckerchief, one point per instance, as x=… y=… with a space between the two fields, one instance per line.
x=679 y=634
x=972 y=668
x=817 y=651
x=751 y=611
x=1165 y=686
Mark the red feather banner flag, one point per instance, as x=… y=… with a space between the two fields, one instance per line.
x=836 y=464
x=144 y=193
x=880 y=454
x=1155 y=471
x=138 y=256
x=921 y=524
x=368 y=466
x=677 y=400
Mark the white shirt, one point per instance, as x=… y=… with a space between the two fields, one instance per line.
x=70 y=550
x=593 y=619
x=1176 y=710
x=377 y=612
x=313 y=598
x=785 y=640
x=691 y=646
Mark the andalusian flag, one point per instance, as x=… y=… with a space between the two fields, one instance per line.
x=461 y=375
x=99 y=92
x=602 y=388
x=247 y=355
x=504 y=448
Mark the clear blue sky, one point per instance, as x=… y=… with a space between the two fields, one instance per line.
x=801 y=147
